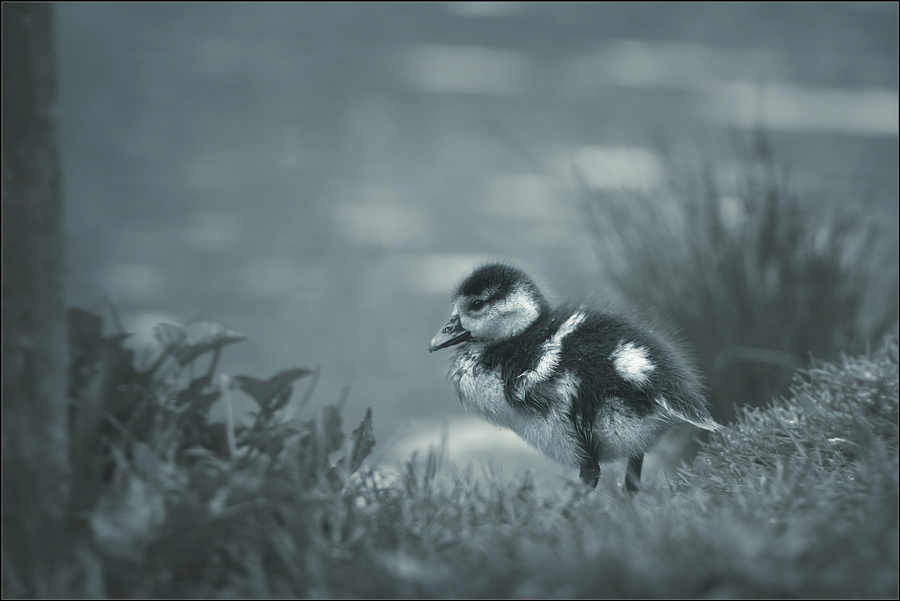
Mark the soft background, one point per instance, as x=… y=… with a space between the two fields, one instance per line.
x=318 y=176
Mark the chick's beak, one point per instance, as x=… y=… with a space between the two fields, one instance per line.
x=452 y=333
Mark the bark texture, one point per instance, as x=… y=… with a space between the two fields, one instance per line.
x=34 y=350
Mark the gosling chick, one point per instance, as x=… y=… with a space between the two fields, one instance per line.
x=582 y=385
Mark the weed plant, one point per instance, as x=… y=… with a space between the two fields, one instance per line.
x=757 y=280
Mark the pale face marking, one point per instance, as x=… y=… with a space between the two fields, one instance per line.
x=500 y=319
x=632 y=362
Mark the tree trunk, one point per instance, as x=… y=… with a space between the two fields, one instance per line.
x=34 y=367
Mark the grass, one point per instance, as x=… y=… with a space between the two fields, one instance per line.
x=758 y=280
x=796 y=499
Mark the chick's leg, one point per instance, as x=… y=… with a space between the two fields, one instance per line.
x=633 y=473
x=590 y=472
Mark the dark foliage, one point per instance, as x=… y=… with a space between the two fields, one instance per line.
x=757 y=280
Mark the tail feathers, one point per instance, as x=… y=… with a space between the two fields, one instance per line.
x=708 y=424
x=688 y=412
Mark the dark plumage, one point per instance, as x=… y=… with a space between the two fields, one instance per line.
x=581 y=384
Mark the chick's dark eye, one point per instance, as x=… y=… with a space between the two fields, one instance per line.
x=476 y=305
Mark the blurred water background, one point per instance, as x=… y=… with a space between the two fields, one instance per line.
x=318 y=176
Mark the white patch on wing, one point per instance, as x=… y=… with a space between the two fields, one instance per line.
x=549 y=361
x=632 y=362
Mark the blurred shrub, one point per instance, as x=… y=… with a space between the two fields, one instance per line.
x=757 y=280
x=166 y=502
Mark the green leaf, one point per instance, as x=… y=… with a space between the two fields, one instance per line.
x=254 y=387
x=188 y=343
x=263 y=391
x=281 y=399
x=198 y=397
x=169 y=334
x=331 y=430
x=363 y=441
x=195 y=390
x=86 y=343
